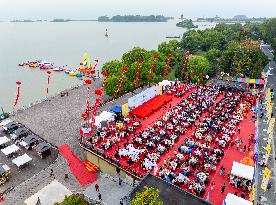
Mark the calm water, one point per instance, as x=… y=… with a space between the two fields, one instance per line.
x=64 y=44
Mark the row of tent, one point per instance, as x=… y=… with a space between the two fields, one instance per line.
x=251 y=81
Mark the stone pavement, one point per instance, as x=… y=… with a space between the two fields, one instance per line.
x=23 y=191
x=58 y=120
x=110 y=190
x=268 y=197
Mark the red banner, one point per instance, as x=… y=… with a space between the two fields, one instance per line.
x=125 y=69
x=48 y=81
x=97 y=104
x=153 y=65
x=185 y=62
x=18 y=93
x=167 y=65
x=138 y=72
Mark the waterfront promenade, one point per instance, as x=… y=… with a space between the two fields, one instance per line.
x=57 y=120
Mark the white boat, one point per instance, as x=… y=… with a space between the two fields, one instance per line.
x=58 y=69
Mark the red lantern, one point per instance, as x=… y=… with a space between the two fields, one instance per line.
x=88 y=81
x=105 y=74
x=125 y=69
x=140 y=61
x=169 y=55
x=18 y=93
x=98 y=92
x=155 y=56
x=84 y=116
x=98 y=101
x=18 y=82
x=48 y=72
x=167 y=65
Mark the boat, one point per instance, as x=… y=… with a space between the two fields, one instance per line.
x=58 y=69
x=67 y=71
x=73 y=73
x=106 y=35
x=173 y=36
x=79 y=75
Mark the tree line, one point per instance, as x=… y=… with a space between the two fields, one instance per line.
x=228 y=48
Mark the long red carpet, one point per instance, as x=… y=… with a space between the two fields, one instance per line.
x=77 y=166
x=151 y=106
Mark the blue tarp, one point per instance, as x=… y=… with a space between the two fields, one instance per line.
x=116 y=108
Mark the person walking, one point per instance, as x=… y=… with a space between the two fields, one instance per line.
x=223 y=187
x=100 y=196
x=97 y=187
x=120 y=181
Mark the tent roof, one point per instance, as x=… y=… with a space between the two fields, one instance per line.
x=233 y=199
x=43 y=146
x=242 y=170
x=116 y=108
x=30 y=139
x=169 y=194
x=21 y=130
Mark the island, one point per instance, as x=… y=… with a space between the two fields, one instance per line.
x=60 y=20
x=134 y=18
x=187 y=23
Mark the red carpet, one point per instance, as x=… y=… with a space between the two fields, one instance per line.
x=151 y=106
x=77 y=166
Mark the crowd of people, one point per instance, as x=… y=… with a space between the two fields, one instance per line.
x=210 y=114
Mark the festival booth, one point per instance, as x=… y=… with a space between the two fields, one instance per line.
x=22 y=160
x=43 y=150
x=29 y=141
x=242 y=170
x=251 y=81
x=3 y=141
x=10 y=150
x=19 y=133
x=232 y=199
x=104 y=119
x=116 y=109
x=4 y=173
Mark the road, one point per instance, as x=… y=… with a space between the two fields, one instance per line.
x=268 y=197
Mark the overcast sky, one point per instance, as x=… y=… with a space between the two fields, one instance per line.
x=91 y=9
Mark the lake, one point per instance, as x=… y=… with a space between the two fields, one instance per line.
x=65 y=44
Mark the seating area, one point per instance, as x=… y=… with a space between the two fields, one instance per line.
x=17 y=144
x=187 y=145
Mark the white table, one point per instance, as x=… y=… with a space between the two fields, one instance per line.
x=10 y=149
x=4 y=140
x=21 y=160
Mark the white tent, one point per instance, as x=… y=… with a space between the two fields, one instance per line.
x=242 y=170
x=53 y=192
x=21 y=160
x=165 y=83
x=104 y=116
x=10 y=149
x=232 y=199
x=4 y=140
x=5 y=122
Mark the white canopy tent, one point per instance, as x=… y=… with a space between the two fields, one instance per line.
x=165 y=83
x=104 y=116
x=242 y=170
x=5 y=122
x=21 y=160
x=232 y=199
x=4 y=140
x=10 y=149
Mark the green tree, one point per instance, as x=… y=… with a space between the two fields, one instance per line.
x=113 y=67
x=191 y=41
x=196 y=67
x=148 y=197
x=74 y=199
